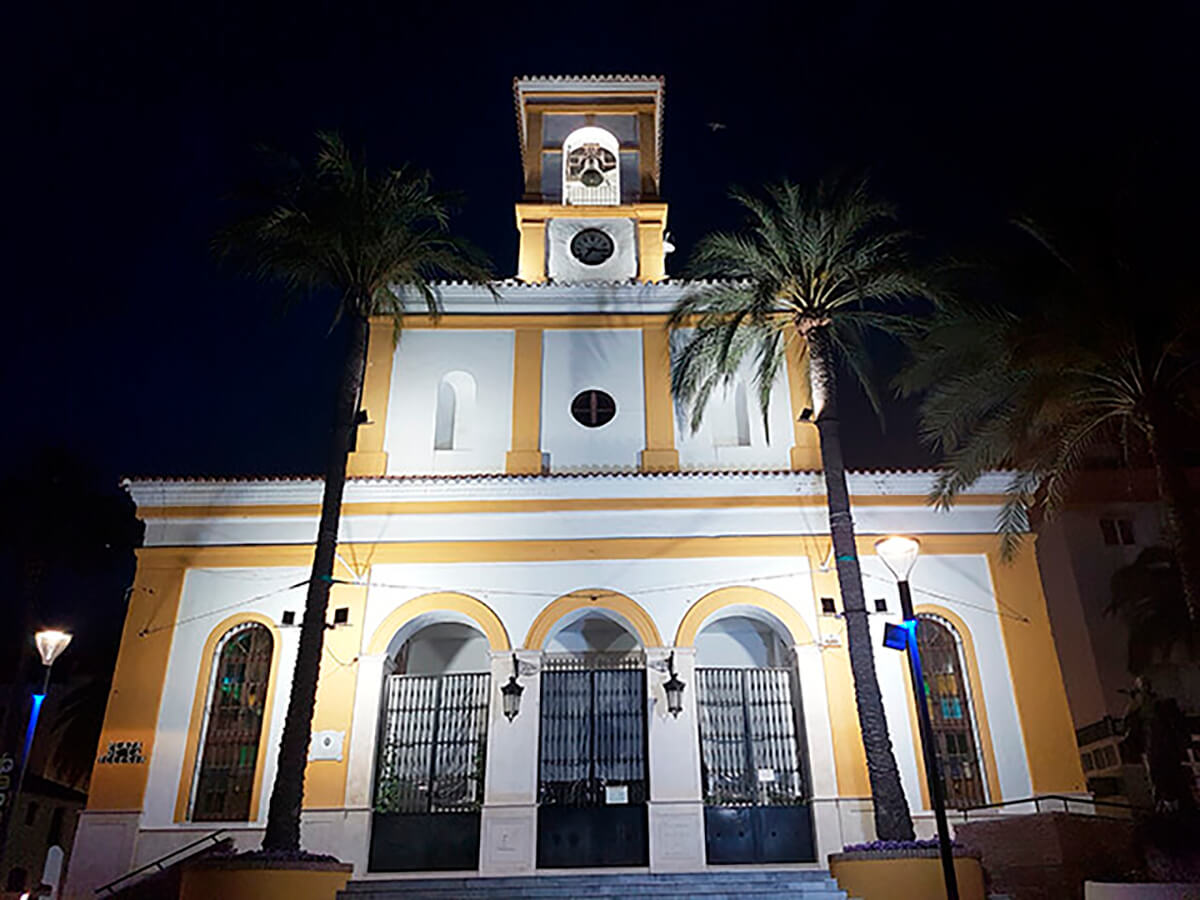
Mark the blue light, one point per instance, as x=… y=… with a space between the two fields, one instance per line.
x=895 y=637
x=33 y=720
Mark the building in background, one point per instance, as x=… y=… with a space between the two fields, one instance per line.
x=525 y=510
x=1112 y=517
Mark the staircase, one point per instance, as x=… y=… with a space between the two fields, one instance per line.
x=726 y=884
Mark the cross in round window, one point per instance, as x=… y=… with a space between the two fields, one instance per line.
x=593 y=408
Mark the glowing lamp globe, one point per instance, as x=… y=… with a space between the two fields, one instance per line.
x=50 y=644
x=899 y=554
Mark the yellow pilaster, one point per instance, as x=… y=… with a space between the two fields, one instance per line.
x=652 y=264
x=531 y=255
x=325 y=780
x=660 y=454
x=369 y=457
x=533 y=154
x=133 y=700
x=1050 y=747
x=806 y=443
x=525 y=457
x=647 y=154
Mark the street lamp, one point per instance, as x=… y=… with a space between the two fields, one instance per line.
x=511 y=693
x=899 y=554
x=50 y=645
x=673 y=688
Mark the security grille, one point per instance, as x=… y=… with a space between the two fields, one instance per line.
x=432 y=749
x=748 y=738
x=593 y=736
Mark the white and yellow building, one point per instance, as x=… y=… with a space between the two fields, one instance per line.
x=525 y=505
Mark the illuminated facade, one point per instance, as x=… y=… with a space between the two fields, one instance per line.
x=524 y=505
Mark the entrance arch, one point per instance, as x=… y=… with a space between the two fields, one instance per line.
x=599 y=600
x=432 y=741
x=429 y=608
x=754 y=769
x=750 y=601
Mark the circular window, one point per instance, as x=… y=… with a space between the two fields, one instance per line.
x=592 y=409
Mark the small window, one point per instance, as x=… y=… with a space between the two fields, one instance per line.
x=593 y=408
x=1086 y=759
x=1117 y=532
x=880 y=604
x=454 y=410
x=54 y=834
x=828 y=606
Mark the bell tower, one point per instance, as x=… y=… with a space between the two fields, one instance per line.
x=590 y=151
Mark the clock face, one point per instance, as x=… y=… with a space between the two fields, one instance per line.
x=592 y=246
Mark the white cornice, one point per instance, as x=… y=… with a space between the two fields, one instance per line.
x=518 y=298
x=150 y=493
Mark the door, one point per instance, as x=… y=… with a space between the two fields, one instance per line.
x=593 y=781
x=756 y=806
x=429 y=780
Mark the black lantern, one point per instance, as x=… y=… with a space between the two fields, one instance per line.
x=674 y=688
x=511 y=694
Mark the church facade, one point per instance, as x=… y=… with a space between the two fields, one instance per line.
x=532 y=548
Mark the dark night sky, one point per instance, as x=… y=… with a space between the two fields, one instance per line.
x=127 y=345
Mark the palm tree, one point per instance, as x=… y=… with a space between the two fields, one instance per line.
x=822 y=266
x=1104 y=363
x=372 y=241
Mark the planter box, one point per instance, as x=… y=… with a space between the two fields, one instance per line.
x=904 y=875
x=1096 y=890
x=259 y=879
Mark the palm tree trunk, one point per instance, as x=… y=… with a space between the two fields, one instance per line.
x=1183 y=528
x=283 y=818
x=892 y=819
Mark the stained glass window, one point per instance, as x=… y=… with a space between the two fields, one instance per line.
x=950 y=710
x=233 y=723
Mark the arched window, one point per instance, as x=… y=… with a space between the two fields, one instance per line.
x=950 y=709
x=733 y=421
x=455 y=406
x=591 y=168
x=233 y=723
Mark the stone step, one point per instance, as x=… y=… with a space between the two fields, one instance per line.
x=803 y=884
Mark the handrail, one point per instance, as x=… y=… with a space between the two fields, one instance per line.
x=158 y=863
x=1037 y=801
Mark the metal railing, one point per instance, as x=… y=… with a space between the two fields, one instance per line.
x=161 y=863
x=1082 y=806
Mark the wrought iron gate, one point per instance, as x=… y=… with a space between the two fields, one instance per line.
x=593 y=781
x=755 y=790
x=429 y=779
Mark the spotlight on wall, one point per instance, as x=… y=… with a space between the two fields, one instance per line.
x=511 y=693
x=673 y=688
x=895 y=637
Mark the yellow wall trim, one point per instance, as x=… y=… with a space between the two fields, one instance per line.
x=806 y=443
x=660 y=454
x=141 y=670
x=368 y=457
x=525 y=456
x=600 y=598
x=191 y=748
x=539 y=550
x=704 y=608
x=446 y=507
x=451 y=601
x=1041 y=697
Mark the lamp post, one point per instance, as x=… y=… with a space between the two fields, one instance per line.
x=899 y=554
x=511 y=693
x=673 y=688
x=50 y=644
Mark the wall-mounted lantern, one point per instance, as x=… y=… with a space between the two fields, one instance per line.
x=511 y=693
x=673 y=688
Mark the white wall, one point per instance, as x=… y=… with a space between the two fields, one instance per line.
x=711 y=447
x=423 y=358
x=610 y=361
x=209 y=597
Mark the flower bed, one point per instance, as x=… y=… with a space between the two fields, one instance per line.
x=904 y=870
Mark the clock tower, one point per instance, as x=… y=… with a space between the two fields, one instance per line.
x=590 y=152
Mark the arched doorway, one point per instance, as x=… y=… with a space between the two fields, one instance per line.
x=753 y=767
x=432 y=741
x=593 y=781
x=951 y=712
